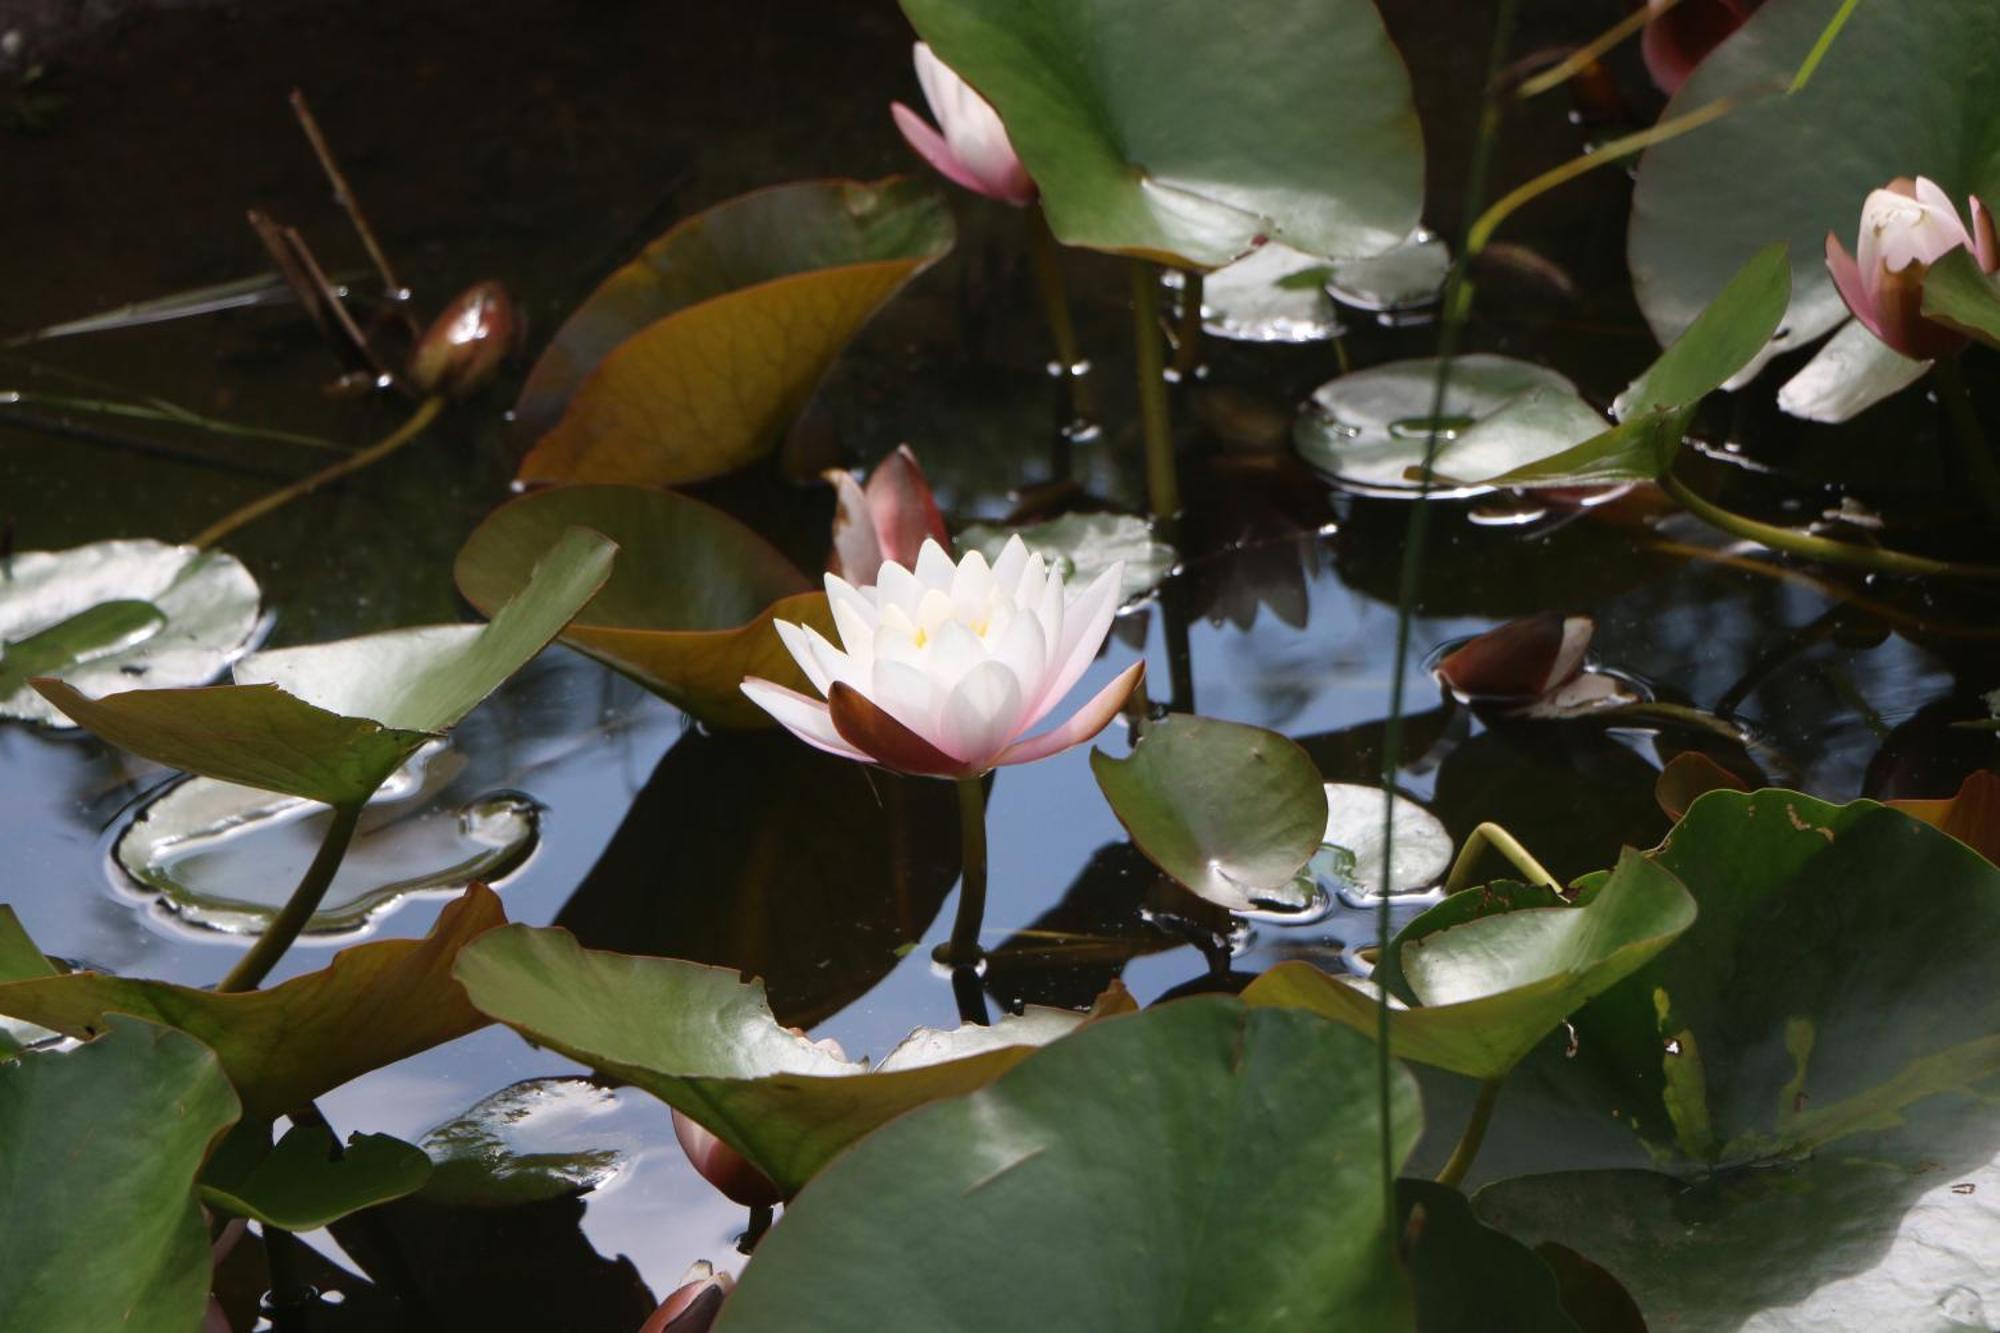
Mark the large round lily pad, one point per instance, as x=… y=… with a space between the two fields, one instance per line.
x=1197 y=1166
x=1191 y=132
x=687 y=612
x=691 y=360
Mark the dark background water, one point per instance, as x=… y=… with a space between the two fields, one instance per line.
x=543 y=143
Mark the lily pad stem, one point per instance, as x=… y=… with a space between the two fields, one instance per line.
x=1163 y=487
x=1046 y=254
x=1508 y=846
x=418 y=422
x=1974 y=454
x=963 y=948
x=1823 y=549
x=252 y=968
x=1475 y=1134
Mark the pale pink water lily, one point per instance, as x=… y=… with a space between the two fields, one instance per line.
x=973 y=149
x=1905 y=228
x=723 y=1167
x=944 y=668
x=888 y=519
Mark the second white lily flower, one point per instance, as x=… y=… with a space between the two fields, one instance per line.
x=943 y=669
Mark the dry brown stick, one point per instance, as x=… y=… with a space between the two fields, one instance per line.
x=327 y=294
x=286 y=261
x=343 y=194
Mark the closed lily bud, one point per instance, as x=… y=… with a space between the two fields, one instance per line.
x=693 y=1305
x=973 y=149
x=1520 y=661
x=724 y=1167
x=1905 y=228
x=464 y=346
x=888 y=519
x=945 y=667
x=1678 y=36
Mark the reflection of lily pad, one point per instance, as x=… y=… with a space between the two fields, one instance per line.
x=691 y=360
x=222 y=856
x=686 y=612
x=704 y=1041
x=543 y=1138
x=1173 y=129
x=1084 y=546
x=309 y=1178
x=119 y=615
x=1233 y=812
x=1482 y=977
x=1217 y=1168
x=1419 y=854
x=1369 y=429
x=1396 y=281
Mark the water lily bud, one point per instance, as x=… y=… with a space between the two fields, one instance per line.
x=1677 y=37
x=889 y=519
x=973 y=150
x=464 y=346
x=1521 y=660
x=724 y=1167
x=1905 y=228
x=693 y=1305
x=944 y=668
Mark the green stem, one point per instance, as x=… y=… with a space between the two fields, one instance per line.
x=1475 y=1134
x=1163 y=487
x=255 y=965
x=1499 y=840
x=963 y=949
x=1187 y=330
x=1974 y=454
x=1046 y=254
x=417 y=423
x=1823 y=549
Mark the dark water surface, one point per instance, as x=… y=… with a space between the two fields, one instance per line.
x=544 y=142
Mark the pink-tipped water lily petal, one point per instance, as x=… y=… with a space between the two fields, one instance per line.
x=794 y=639
x=896 y=585
x=971 y=583
x=1085 y=623
x=973 y=132
x=1847 y=281
x=1985 y=244
x=904 y=511
x=955 y=650
x=981 y=714
x=930 y=146
x=907 y=693
x=1011 y=564
x=1024 y=650
x=867 y=728
x=857 y=549
x=1083 y=724
x=808 y=719
x=935 y=568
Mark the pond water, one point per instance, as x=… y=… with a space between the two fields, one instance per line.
x=543 y=148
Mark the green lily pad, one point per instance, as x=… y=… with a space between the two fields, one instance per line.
x=1369 y=430
x=1419 y=854
x=330 y=722
x=1477 y=981
x=1217 y=1168
x=1084 y=546
x=308 y=1179
x=1274 y=294
x=1180 y=131
x=285 y=1045
x=1957 y=292
x=1812 y=999
x=691 y=640
x=703 y=1040
x=1396 y=282
x=117 y=615
x=1468 y=1277
x=1233 y=812
x=690 y=360
x=1900 y=92
x=544 y=1138
x=99 y=1228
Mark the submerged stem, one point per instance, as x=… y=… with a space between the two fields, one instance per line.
x=1823 y=549
x=414 y=426
x=1187 y=330
x=256 y=964
x=963 y=948
x=1974 y=454
x=1475 y=1134
x=1508 y=846
x=1046 y=253
x=1163 y=487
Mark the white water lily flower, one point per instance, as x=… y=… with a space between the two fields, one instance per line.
x=943 y=670
x=973 y=149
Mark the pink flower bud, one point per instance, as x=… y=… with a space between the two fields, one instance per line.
x=724 y=1167
x=690 y=1308
x=1677 y=38
x=1522 y=660
x=886 y=520
x=973 y=150
x=464 y=346
x=1905 y=228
